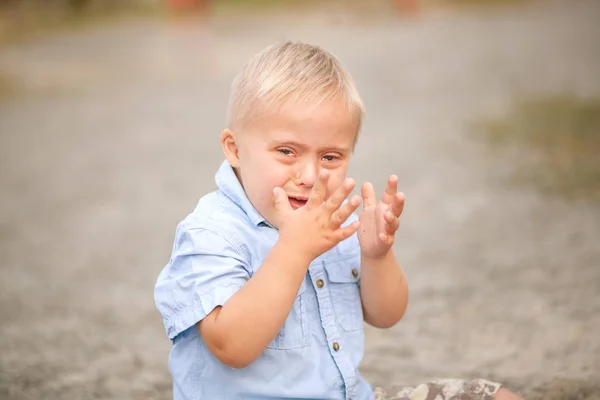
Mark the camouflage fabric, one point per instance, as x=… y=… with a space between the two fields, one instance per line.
x=441 y=389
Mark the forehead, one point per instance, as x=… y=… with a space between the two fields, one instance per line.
x=327 y=124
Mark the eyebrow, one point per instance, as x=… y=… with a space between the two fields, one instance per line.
x=302 y=146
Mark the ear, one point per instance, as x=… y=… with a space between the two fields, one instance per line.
x=230 y=148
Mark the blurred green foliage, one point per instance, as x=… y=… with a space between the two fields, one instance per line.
x=561 y=139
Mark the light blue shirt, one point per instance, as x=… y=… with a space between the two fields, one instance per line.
x=217 y=248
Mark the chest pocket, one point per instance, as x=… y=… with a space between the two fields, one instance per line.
x=345 y=293
x=294 y=333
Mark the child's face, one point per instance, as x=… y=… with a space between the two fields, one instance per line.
x=288 y=150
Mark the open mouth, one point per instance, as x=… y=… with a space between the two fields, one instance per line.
x=297 y=202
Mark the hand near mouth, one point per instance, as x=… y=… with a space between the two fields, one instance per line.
x=297 y=201
x=314 y=226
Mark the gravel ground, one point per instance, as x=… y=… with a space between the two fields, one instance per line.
x=109 y=135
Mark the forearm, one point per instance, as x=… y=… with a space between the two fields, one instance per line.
x=258 y=309
x=384 y=290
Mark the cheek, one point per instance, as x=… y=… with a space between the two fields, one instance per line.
x=335 y=181
x=273 y=175
x=263 y=173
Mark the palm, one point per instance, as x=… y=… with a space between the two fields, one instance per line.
x=379 y=220
x=371 y=225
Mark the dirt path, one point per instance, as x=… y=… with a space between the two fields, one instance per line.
x=111 y=137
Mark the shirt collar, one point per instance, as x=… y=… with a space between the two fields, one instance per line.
x=230 y=186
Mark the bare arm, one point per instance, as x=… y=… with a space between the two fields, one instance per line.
x=383 y=290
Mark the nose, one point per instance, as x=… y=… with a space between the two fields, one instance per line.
x=306 y=173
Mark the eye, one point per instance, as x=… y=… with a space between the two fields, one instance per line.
x=286 y=152
x=329 y=157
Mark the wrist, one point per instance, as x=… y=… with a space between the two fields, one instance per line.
x=366 y=258
x=291 y=251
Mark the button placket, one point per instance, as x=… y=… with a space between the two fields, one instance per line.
x=331 y=330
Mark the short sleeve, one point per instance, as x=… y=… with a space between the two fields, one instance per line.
x=204 y=271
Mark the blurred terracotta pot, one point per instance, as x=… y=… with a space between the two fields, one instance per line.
x=188 y=4
x=407 y=5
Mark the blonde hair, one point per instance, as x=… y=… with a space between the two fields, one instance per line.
x=290 y=71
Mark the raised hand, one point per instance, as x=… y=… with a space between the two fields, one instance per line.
x=379 y=220
x=317 y=226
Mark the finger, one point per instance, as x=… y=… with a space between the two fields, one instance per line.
x=387 y=240
x=398 y=204
x=390 y=190
x=341 y=215
x=347 y=231
x=317 y=194
x=335 y=201
x=368 y=195
x=282 y=203
x=391 y=222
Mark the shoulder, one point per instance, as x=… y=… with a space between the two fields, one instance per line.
x=214 y=223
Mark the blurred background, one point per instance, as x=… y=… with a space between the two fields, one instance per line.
x=488 y=111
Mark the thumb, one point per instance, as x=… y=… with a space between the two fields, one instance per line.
x=282 y=204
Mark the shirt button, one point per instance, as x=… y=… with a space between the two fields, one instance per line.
x=355 y=272
x=336 y=346
x=320 y=283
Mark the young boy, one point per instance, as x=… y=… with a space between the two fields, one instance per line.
x=272 y=275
